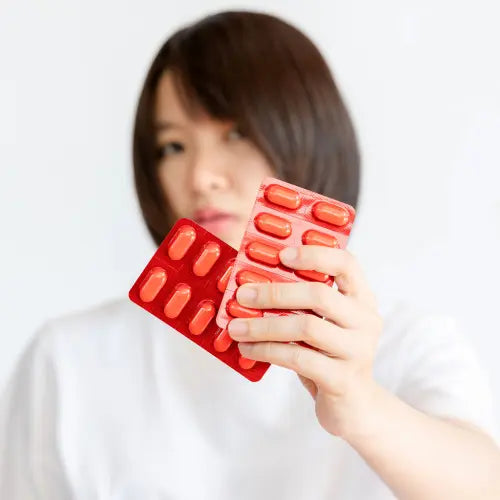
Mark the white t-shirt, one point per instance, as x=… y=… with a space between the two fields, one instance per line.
x=113 y=404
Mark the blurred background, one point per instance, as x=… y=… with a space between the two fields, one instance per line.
x=422 y=80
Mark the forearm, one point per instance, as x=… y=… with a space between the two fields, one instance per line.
x=425 y=458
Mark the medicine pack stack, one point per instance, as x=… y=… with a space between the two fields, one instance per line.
x=190 y=282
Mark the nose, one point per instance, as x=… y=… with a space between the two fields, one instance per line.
x=208 y=174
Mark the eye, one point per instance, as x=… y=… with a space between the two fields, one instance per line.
x=170 y=149
x=235 y=134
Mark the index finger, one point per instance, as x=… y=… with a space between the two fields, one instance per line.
x=335 y=262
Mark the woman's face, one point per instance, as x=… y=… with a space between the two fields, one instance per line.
x=208 y=171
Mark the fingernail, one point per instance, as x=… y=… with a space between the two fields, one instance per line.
x=237 y=328
x=288 y=254
x=246 y=295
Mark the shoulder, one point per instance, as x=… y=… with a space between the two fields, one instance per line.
x=100 y=326
x=76 y=371
x=111 y=315
x=105 y=334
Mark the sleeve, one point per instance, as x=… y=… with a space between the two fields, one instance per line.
x=30 y=465
x=441 y=375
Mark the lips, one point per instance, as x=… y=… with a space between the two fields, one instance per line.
x=210 y=214
x=214 y=220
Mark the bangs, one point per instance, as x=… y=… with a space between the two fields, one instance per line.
x=242 y=67
x=204 y=72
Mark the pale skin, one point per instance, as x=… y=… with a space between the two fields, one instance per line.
x=206 y=163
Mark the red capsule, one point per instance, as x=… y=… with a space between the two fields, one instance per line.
x=271 y=224
x=280 y=195
x=152 y=284
x=177 y=301
x=207 y=259
x=181 y=243
x=236 y=310
x=313 y=275
x=223 y=280
x=266 y=254
x=223 y=341
x=202 y=318
x=333 y=214
x=244 y=277
x=312 y=237
x=246 y=363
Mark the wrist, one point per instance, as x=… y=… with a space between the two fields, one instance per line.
x=367 y=416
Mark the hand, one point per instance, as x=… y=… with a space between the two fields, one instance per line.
x=338 y=372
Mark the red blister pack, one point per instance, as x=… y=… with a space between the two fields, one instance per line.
x=283 y=215
x=183 y=285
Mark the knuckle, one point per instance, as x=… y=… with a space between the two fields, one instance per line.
x=270 y=326
x=341 y=381
x=274 y=294
x=349 y=255
x=303 y=254
x=321 y=294
x=345 y=345
x=307 y=327
x=252 y=328
x=364 y=355
x=350 y=262
x=309 y=255
x=296 y=358
x=258 y=328
x=268 y=350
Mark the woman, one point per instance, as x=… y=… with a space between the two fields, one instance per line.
x=110 y=403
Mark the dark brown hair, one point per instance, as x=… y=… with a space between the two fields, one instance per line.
x=273 y=82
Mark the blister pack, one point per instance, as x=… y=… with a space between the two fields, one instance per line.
x=183 y=285
x=283 y=215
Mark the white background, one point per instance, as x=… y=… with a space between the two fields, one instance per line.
x=421 y=78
